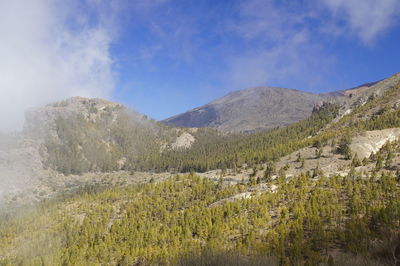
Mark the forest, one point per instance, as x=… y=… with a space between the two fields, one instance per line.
x=304 y=221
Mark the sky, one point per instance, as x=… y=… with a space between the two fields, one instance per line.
x=164 y=57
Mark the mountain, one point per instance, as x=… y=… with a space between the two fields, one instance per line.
x=262 y=108
x=86 y=135
x=251 y=109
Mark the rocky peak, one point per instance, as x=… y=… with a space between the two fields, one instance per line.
x=41 y=120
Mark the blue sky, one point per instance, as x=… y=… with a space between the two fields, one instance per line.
x=163 y=57
x=176 y=55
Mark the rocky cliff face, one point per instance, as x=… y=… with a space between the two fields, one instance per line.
x=372 y=141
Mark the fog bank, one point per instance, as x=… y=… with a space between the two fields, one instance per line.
x=50 y=50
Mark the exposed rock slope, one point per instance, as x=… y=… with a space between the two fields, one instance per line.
x=372 y=141
x=184 y=141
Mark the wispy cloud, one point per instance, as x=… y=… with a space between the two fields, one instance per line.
x=174 y=34
x=295 y=60
x=366 y=19
x=280 y=47
x=266 y=20
x=50 y=50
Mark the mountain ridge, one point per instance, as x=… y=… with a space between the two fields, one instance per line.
x=262 y=108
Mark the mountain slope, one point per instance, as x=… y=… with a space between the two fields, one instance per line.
x=252 y=110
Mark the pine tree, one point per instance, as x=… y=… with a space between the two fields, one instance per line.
x=344 y=146
x=356 y=161
x=269 y=171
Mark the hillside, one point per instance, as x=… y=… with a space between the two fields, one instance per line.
x=81 y=135
x=176 y=222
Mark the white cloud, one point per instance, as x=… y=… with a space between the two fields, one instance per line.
x=366 y=19
x=284 y=40
x=295 y=60
x=50 y=50
x=266 y=20
x=280 y=46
